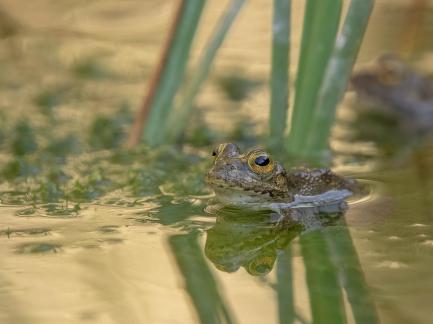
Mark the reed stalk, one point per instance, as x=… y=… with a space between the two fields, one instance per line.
x=168 y=76
x=143 y=112
x=279 y=72
x=178 y=121
x=319 y=32
x=337 y=76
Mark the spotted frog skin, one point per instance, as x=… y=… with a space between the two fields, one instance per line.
x=254 y=179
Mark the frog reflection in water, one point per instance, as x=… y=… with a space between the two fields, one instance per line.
x=254 y=180
x=246 y=238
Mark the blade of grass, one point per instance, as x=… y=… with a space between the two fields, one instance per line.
x=143 y=113
x=337 y=75
x=173 y=70
x=323 y=287
x=320 y=28
x=199 y=281
x=350 y=273
x=279 y=72
x=178 y=122
x=286 y=310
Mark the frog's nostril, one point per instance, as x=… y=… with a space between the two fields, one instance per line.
x=230 y=167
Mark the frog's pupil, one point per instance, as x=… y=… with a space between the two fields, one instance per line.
x=213 y=153
x=262 y=160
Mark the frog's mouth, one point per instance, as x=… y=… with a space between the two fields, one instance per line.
x=232 y=193
x=241 y=197
x=235 y=183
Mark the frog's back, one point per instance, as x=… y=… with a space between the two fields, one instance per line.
x=311 y=182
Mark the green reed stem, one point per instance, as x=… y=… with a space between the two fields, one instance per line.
x=279 y=72
x=199 y=281
x=323 y=286
x=350 y=274
x=173 y=71
x=286 y=309
x=337 y=75
x=320 y=28
x=179 y=121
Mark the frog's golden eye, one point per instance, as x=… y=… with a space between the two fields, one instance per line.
x=261 y=265
x=260 y=162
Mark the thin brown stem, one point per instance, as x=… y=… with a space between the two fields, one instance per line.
x=143 y=113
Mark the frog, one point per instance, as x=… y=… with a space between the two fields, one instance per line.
x=396 y=94
x=256 y=181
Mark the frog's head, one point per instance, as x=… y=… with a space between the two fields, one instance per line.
x=388 y=72
x=253 y=177
x=390 y=69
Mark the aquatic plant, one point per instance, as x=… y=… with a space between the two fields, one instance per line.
x=108 y=132
x=168 y=76
x=279 y=72
x=321 y=22
x=337 y=76
x=324 y=68
x=179 y=120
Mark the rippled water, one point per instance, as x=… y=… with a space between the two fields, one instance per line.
x=91 y=233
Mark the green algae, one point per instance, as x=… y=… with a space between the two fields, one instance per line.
x=31 y=232
x=107 y=132
x=50 y=175
x=36 y=248
x=63 y=146
x=48 y=99
x=18 y=168
x=23 y=138
x=55 y=210
x=91 y=68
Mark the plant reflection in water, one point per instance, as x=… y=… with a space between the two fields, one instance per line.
x=258 y=241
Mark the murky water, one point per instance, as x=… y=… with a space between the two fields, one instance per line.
x=91 y=233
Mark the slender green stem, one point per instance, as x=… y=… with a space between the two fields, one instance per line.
x=286 y=310
x=280 y=72
x=320 y=28
x=173 y=71
x=337 y=74
x=136 y=131
x=323 y=286
x=178 y=122
x=199 y=281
